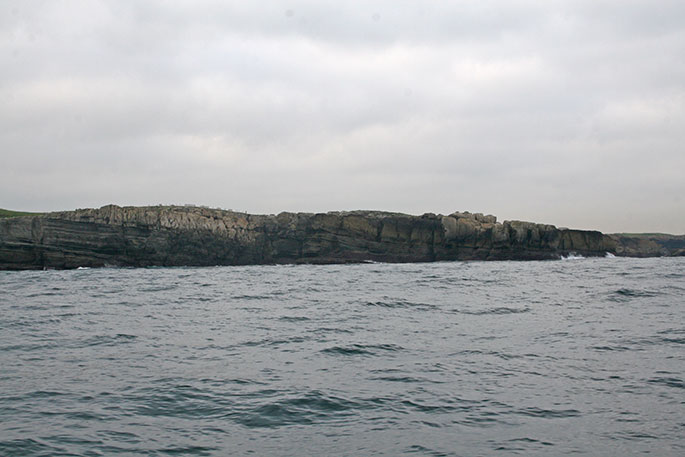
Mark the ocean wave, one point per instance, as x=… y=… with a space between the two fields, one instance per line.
x=179 y=401
x=625 y=294
x=401 y=304
x=407 y=379
x=106 y=340
x=362 y=349
x=304 y=409
x=505 y=355
x=534 y=411
x=668 y=382
x=603 y=348
x=274 y=341
x=498 y=310
x=28 y=446
x=422 y=450
x=293 y=318
x=435 y=408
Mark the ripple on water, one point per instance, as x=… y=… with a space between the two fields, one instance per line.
x=548 y=413
x=401 y=304
x=668 y=382
x=312 y=407
x=454 y=358
x=362 y=349
x=625 y=294
x=182 y=401
x=294 y=318
x=107 y=340
x=29 y=446
x=423 y=450
x=500 y=310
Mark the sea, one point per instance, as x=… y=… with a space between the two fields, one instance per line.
x=577 y=356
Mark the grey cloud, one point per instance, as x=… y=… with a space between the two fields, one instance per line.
x=563 y=112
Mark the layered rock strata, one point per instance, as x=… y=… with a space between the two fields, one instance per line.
x=179 y=235
x=649 y=245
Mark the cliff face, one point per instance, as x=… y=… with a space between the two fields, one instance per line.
x=649 y=245
x=169 y=236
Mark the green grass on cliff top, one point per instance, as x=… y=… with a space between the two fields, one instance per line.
x=8 y=213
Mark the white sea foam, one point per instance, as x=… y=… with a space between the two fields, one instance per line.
x=572 y=256
x=609 y=255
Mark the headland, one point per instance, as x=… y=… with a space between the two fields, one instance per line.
x=199 y=236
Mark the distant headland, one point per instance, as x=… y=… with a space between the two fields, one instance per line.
x=199 y=236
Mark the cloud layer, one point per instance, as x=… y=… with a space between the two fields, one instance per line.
x=565 y=112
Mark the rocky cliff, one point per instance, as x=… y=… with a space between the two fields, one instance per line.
x=649 y=244
x=176 y=235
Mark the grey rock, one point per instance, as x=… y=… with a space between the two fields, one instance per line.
x=181 y=235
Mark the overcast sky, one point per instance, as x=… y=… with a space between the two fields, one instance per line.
x=563 y=112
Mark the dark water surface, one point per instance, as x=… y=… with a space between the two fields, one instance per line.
x=571 y=357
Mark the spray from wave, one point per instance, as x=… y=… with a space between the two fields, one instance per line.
x=572 y=256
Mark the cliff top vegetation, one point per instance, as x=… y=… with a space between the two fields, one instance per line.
x=5 y=213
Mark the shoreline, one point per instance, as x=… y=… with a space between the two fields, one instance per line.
x=197 y=236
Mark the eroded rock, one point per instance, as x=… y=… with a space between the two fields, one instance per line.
x=178 y=235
